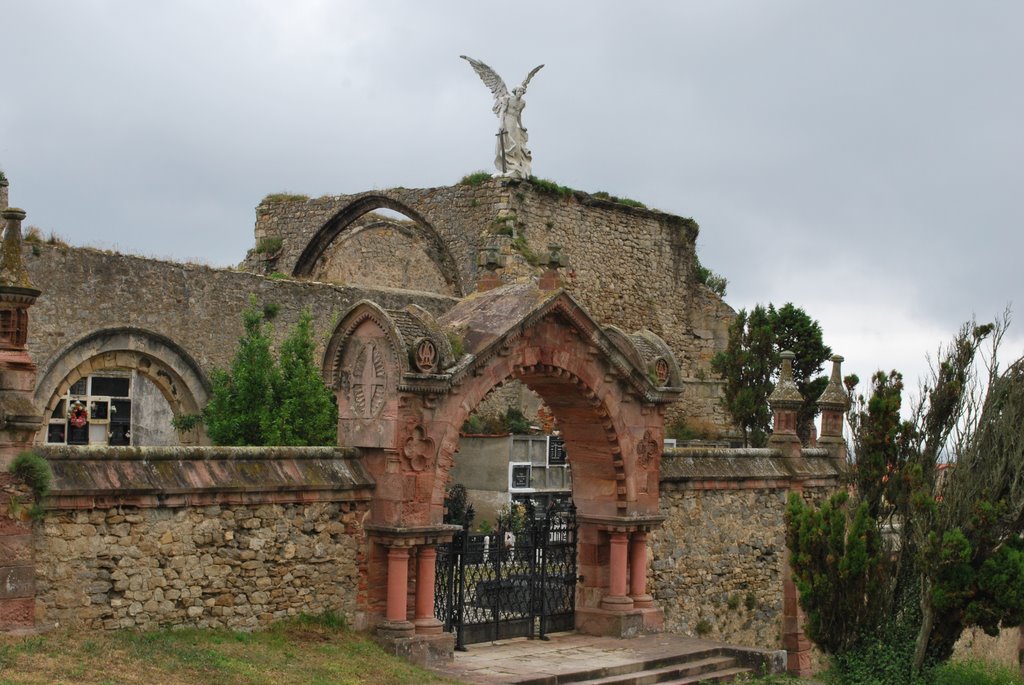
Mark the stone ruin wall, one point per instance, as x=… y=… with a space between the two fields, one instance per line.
x=628 y=266
x=383 y=251
x=231 y=566
x=197 y=307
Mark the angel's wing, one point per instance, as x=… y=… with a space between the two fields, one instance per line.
x=487 y=75
x=526 y=81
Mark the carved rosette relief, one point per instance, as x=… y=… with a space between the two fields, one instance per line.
x=419 y=450
x=647 y=451
x=368 y=381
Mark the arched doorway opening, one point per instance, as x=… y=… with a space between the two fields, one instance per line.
x=106 y=386
x=406 y=383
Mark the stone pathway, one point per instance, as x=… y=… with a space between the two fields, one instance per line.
x=509 y=661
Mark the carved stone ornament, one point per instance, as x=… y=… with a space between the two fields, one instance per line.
x=368 y=381
x=661 y=370
x=425 y=355
x=647 y=450
x=419 y=450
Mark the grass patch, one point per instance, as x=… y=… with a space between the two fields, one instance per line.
x=269 y=245
x=550 y=187
x=475 y=178
x=973 y=672
x=285 y=197
x=307 y=649
x=602 y=195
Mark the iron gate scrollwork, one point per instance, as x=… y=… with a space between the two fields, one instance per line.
x=492 y=587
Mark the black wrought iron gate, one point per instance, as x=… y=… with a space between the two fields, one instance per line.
x=491 y=587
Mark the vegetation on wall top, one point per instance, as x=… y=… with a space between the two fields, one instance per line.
x=474 y=178
x=284 y=197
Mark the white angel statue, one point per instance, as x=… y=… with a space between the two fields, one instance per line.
x=511 y=156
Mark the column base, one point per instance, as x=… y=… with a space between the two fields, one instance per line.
x=629 y=623
x=428 y=626
x=422 y=650
x=616 y=603
x=642 y=601
x=395 y=629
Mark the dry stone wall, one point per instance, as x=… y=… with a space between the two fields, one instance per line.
x=215 y=566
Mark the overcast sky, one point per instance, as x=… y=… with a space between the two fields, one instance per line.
x=862 y=160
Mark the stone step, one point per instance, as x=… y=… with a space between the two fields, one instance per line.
x=709 y=666
x=725 y=675
x=700 y=668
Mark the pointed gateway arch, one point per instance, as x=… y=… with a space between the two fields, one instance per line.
x=403 y=393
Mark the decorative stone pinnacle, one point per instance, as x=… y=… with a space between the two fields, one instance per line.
x=834 y=396
x=786 y=395
x=12 y=269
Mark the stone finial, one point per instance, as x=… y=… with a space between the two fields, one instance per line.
x=833 y=403
x=785 y=400
x=835 y=396
x=4 y=197
x=12 y=268
x=786 y=395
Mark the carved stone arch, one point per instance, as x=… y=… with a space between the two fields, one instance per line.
x=171 y=369
x=338 y=225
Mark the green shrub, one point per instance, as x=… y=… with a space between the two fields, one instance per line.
x=733 y=602
x=886 y=659
x=186 y=422
x=35 y=471
x=475 y=178
x=270 y=310
x=703 y=627
x=750 y=602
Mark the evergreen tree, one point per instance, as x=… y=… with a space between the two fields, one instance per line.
x=751 y=360
x=952 y=554
x=262 y=402
x=307 y=413
x=239 y=411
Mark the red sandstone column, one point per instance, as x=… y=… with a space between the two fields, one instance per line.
x=616 y=599
x=796 y=644
x=638 y=571
x=425 y=622
x=398 y=584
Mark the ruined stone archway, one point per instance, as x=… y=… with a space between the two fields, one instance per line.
x=172 y=370
x=403 y=407
x=339 y=226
